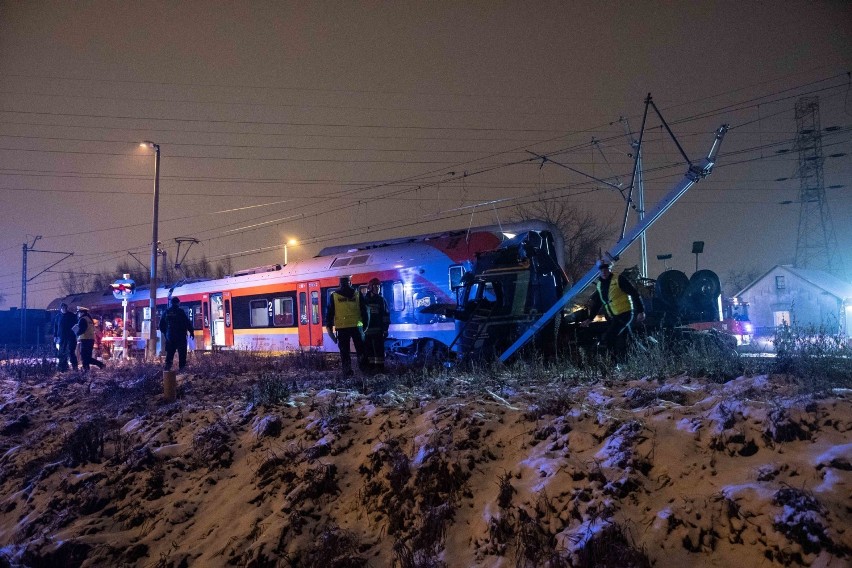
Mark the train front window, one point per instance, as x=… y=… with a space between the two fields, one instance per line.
x=398 y=300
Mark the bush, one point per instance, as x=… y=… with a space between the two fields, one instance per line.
x=820 y=359
x=270 y=390
x=23 y=363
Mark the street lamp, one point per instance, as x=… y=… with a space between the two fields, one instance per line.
x=291 y=242
x=697 y=248
x=151 y=347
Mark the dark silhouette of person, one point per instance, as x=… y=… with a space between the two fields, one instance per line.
x=64 y=338
x=176 y=328
x=376 y=329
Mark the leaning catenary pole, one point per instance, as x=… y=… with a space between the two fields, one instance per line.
x=694 y=174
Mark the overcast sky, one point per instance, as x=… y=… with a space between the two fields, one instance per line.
x=336 y=122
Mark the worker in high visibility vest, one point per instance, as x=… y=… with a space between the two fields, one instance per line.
x=85 y=330
x=621 y=304
x=344 y=319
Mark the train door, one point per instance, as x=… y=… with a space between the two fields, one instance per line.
x=221 y=326
x=207 y=329
x=310 y=321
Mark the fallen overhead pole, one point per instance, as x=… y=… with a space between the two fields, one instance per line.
x=694 y=174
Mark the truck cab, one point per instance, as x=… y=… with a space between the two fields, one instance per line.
x=509 y=288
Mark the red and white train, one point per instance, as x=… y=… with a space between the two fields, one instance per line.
x=282 y=308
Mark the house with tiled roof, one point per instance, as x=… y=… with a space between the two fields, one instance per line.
x=804 y=297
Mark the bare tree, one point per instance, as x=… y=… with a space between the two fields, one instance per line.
x=200 y=268
x=81 y=282
x=584 y=234
x=223 y=267
x=738 y=278
x=76 y=282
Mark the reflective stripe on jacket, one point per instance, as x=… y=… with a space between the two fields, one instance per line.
x=347 y=311
x=379 y=314
x=619 y=302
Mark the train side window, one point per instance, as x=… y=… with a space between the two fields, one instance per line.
x=282 y=312
x=258 y=316
x=227 y=313
x=456 y=275
x=398 y=300
x=315 y=314
x=303 y=308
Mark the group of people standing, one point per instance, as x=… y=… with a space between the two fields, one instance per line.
x=69 y=330
x=352 y=317
x=362 y=320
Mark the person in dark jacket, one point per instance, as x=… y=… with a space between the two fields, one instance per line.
x=376 y=330
x=344 y=320
x=176 y=328
x=85 y=330
x=64 y=338
x=621 y=304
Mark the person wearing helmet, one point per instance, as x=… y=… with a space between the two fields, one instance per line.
x=376 y=330
x=621 y=304
x=344 y=319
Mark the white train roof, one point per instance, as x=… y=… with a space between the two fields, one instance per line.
x=332 y=262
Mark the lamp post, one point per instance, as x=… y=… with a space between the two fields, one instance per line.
x=151 y=347
x=291 y=242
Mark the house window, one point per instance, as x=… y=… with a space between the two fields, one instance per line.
x=780 y=283
x=781 y=317
x=259 y=317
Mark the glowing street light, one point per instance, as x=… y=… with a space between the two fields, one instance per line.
x=151 y=347
x=292 y=243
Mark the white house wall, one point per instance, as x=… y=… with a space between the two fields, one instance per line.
x=808 y=304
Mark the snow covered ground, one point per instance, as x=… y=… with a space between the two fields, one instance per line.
x=98 y=470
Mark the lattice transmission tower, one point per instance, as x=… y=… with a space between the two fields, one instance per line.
x=816 y=245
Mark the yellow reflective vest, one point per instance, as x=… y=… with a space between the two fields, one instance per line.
x=619 y=301
x=89 y=332
x=347 y=312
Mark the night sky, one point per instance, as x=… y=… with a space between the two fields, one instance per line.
x=336 y=122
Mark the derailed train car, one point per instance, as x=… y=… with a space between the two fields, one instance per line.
x=282 y=307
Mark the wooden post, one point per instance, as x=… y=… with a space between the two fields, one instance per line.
x=169 y=386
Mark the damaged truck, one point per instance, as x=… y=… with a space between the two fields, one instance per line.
x=518 y=295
